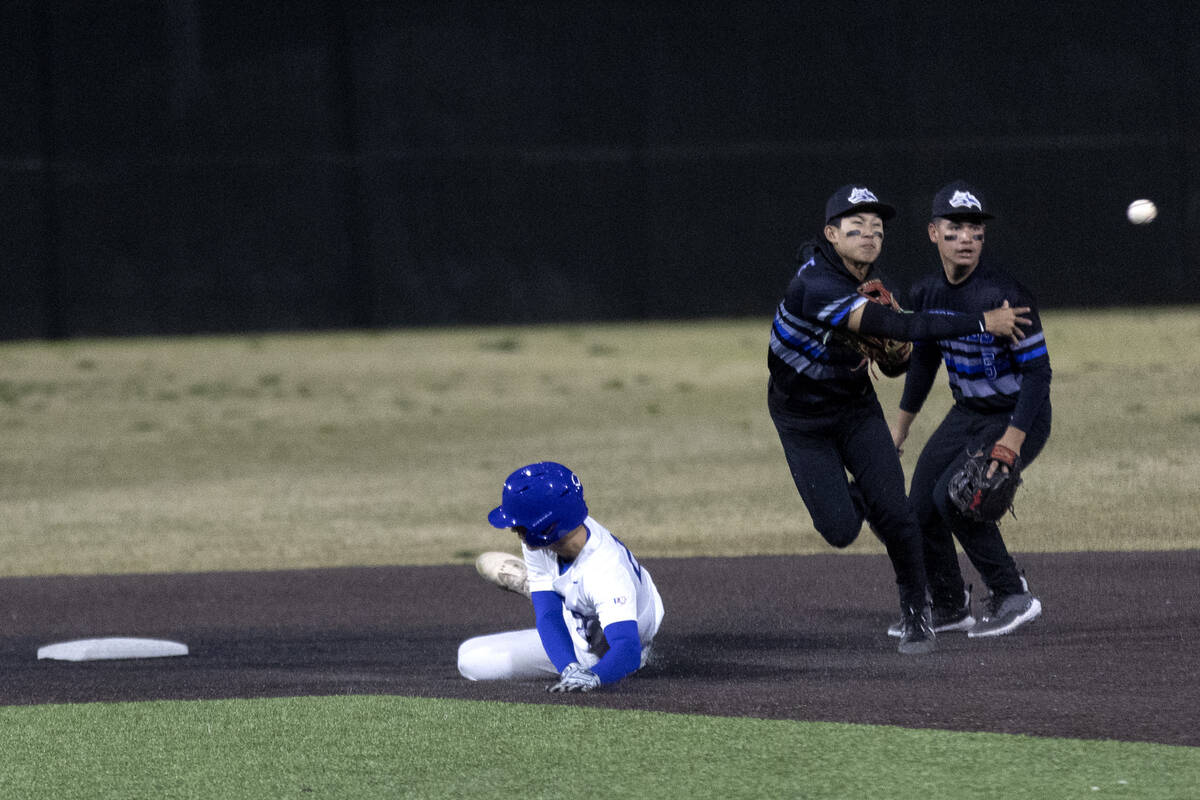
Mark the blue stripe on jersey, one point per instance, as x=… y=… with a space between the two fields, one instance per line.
x=1023 y=357
x=801 y=325
x=801 y=345
x=981 y=367
x=797 y=353
x=1030 y=348
x=977 y=363
x=837 y=311
x=798 y=334
x=793 y=358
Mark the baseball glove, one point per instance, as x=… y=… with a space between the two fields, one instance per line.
x=890 y=355
x=979 y=497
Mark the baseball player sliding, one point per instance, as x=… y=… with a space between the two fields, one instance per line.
x=596 y=609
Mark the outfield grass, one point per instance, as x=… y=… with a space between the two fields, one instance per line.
x=391 y=747
x=267 y=452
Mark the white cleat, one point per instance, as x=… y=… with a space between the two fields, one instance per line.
x=504 y=570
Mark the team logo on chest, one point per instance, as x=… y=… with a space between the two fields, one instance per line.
x=965 y=200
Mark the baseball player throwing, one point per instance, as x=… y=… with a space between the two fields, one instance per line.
x=823 y=403
x=596 y=608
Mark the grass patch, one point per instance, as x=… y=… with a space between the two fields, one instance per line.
x=505 y=344
x=292 y=451
x=388 y=747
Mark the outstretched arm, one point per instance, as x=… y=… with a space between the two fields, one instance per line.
x=874 y=319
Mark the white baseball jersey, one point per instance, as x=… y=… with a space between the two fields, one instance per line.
x=603 y=585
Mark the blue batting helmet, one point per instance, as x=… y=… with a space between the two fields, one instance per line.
x=546 y=499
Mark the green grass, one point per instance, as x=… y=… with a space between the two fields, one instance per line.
x=390 y=747
x=269 y=452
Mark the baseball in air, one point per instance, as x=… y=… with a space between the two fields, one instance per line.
x=1141 y=212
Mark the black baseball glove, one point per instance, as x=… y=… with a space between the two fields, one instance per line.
x=890 y=355
x=985 y=499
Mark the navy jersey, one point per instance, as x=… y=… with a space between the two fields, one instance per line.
x=814 y=368
x=987 y=375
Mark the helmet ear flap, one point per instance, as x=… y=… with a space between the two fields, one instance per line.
x=541 y=538
x=545 y=498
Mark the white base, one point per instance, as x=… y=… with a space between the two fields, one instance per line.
x=111 y=648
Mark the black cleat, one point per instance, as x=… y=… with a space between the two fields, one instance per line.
x=945 y=620
x=916 y=632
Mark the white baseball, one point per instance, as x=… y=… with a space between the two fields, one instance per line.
x=1141 y=212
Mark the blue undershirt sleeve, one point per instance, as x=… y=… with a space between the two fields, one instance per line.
x=624 y=652
x=552 y=628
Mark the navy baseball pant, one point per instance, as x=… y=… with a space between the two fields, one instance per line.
x=855 y=437
x=963 y=432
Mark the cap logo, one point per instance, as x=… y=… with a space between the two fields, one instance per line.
x=965 y=200
x=862 y=195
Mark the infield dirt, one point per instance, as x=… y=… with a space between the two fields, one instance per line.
x=791 y=637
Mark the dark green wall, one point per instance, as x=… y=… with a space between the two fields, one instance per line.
x=182 y=166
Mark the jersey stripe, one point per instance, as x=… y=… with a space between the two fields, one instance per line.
x=984 y=368
x=802 y=345
x=839 y=309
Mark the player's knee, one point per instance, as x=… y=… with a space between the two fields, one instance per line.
x=925 y=510
x=468 y=660
x=477 y=661
x=841 y=534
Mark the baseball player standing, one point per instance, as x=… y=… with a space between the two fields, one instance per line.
x=596 y=608
x=1001 y=391
x=823 y=403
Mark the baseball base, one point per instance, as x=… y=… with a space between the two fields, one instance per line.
x=113 y=647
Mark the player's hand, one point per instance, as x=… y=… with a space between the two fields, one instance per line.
x=900 y=427
x=1006 y=451
x=576 y=678
x=1006 y=321
x=1002 y=458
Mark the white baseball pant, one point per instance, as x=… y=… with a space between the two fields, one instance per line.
x=511 y=655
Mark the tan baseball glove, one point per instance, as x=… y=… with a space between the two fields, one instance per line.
x=890 y=355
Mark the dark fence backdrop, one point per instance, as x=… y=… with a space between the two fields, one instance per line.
x=176 y=166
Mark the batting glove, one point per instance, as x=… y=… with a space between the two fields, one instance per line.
x=576 y=678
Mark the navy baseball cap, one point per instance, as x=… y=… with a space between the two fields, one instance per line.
x=958 y=200
x=852 y=198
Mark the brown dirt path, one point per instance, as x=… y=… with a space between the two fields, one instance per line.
x=1114 y=656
